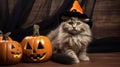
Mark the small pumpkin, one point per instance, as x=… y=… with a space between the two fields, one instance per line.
x=36 y=48
x=10 y=51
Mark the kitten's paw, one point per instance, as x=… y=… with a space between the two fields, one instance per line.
x=84 y=58
x=72 y=55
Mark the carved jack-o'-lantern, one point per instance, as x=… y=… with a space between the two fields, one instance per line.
x=36 y=48
x=10 y=51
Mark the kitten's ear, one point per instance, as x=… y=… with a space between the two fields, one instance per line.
x=86 y=20
x=64 y=18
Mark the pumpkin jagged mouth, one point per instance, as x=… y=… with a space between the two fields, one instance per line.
x=37 y=57
x=16 y=55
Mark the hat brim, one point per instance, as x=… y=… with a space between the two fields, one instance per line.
x=76 y=14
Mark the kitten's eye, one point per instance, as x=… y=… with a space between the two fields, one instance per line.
x=70 y=22
x=78 y=23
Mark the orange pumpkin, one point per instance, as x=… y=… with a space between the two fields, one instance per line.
x=10 y=51
x=36 y=48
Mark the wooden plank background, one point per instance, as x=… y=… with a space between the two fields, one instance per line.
x=106 y=18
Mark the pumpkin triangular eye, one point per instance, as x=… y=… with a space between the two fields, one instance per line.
x=40 y=46
x=28 y=46
x=12 y=47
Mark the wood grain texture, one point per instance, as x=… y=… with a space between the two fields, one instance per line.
x=106 y=18
x=97 y=60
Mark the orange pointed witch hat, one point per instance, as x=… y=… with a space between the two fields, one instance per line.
x=76 y=7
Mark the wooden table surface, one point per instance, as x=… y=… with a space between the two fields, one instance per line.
x=97 y=60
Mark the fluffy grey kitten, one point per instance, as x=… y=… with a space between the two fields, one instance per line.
x=71 y=39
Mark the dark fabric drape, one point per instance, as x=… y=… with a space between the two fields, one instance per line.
x=4 y=12
x=18 y=16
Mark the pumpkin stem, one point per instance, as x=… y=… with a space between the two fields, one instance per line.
x=5 y=36
x=1 y=33
x=36 y=30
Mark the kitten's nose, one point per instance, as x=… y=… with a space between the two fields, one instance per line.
x=73 y=28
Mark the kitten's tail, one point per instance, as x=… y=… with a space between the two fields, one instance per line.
x=63 y=58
